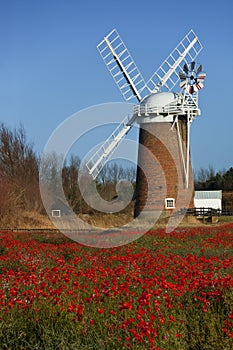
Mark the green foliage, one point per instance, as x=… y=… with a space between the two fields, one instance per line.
x=206 y=179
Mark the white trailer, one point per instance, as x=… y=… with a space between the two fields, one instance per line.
x=208 y=199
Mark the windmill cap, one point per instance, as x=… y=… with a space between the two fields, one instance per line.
x=159 y=99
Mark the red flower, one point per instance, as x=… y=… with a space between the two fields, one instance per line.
x=100 y=311
x=178 y=335
x=125 y=306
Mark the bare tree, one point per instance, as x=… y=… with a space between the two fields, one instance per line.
x=70 y=173
x=19 y=166
x=204 y=175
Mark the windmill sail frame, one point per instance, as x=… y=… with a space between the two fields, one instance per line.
x=122 y=67
x=167 y=75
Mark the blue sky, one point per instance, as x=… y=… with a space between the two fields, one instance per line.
x=50 y=68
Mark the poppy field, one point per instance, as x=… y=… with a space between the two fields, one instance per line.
x=164 y=291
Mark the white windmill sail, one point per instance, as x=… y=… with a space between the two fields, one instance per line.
x=167 y=75
x=131 y=84
x=96 y=163
x=122 y=67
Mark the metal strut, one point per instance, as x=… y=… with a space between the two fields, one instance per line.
x=185 y=158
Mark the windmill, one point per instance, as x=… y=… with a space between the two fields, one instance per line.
x=164 y=118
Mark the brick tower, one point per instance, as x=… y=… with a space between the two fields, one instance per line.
x=163 y=158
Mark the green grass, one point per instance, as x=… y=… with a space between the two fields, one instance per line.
x=224 y=219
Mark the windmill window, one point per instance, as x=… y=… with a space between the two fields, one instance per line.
x=56 y=213
x=169 y=203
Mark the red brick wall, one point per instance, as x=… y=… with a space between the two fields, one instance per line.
x=227 y=201
x=164 y=169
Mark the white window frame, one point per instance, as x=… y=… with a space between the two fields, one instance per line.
x=56 y=213
x=169 y=200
